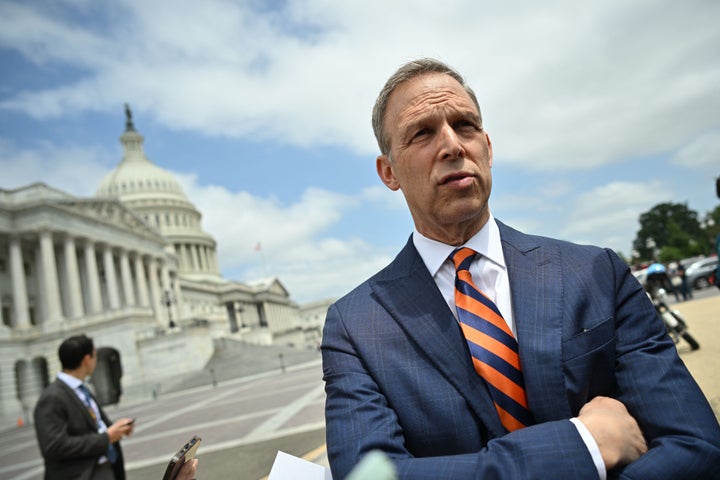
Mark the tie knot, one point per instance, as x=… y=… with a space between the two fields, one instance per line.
x=85 y=391
x=462 y=258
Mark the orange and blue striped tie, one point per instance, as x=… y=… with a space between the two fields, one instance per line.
x=492 y=345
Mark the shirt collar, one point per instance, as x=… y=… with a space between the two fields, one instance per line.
x=486 y=242
x=69 y=380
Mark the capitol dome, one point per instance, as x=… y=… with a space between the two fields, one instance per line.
x=156 y=196
x=136 y=177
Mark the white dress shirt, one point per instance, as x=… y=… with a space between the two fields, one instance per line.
x=490 y=275
x=74 y=383
x=487 y=269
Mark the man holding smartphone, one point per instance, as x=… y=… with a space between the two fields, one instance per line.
x=76 y=438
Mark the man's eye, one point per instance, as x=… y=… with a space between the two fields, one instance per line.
x=421 y=133
x=466 y=125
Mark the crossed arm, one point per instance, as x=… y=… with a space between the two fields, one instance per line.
x=657 y=425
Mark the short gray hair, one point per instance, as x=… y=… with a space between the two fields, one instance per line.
x=406 y=72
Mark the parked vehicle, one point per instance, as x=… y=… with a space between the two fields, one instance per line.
x=674 y=321
x=641 y=275
x=699 y=272
x=657 y=281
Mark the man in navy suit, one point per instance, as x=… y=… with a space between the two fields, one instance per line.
x=608 y=393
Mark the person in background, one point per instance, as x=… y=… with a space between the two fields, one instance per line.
x=76 y=438
x=482 y=352
x=684 y=287
x=717 y=252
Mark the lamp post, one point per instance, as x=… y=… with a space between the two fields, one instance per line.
x=168 y=301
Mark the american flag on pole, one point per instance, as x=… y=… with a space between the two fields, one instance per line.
x=258 y=247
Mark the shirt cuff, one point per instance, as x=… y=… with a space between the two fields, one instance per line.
x=592 y=447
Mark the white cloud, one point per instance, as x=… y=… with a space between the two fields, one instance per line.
x=574 y=85
x=293 y=239
x=608 y=214
x=56 y=165
x=564 y=85
x=704 y=151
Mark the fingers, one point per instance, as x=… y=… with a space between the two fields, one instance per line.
x=188 y=470
x=119 y=429
x=615 y=431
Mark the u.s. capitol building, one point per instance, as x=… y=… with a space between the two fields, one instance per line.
x=132 y=268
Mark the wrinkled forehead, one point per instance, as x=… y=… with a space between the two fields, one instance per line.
x=428 y=94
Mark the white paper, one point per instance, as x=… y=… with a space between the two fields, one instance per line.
x=289 y=467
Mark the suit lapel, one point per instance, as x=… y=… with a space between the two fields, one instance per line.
x=536 y=285
x=73 y=399
x=411 y=297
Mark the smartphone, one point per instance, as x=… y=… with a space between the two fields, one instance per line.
x=131 y=421
x=187 y=452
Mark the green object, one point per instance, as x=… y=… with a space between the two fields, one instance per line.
x=375 y=466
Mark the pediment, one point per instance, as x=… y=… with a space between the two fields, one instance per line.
x=112 y=212
x=270 y=285
x=277 y=288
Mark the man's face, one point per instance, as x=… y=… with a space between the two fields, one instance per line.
x=441 y=157
x=91 y=362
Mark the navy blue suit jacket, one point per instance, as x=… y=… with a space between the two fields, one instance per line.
x=399 y=377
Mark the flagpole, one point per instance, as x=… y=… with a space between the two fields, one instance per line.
x=258 y=248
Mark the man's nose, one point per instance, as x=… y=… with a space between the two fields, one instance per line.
x=450 y=145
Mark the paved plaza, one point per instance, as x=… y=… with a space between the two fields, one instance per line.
x=244 y=421
x=249 y=418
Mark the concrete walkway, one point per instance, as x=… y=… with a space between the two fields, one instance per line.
x=703 y=318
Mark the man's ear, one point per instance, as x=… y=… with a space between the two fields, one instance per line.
x=386 y=173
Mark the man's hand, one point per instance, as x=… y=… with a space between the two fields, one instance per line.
x=615 y=431
x=119 y=429
x=187 y=471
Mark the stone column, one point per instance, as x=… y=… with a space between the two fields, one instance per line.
x=184 y=260
x=126 y=281
x=93 y=278
x=155 y=294
x=178 y=255
x=72 y=274
x=196 y=259
x=179 y=301
x=168 y=292
x=203 y=257
x=19 y=288
x=110 y=278
x=216 y=265
x=50 y=284
x=208 y=264
x=189 y=267
x=142 y=286
x=177 y=247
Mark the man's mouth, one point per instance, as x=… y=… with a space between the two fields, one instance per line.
x=459 y=179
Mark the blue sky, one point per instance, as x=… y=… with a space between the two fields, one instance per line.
x=597 y=111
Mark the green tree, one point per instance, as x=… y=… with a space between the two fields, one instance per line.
x=711 y=224
x=670 y=231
